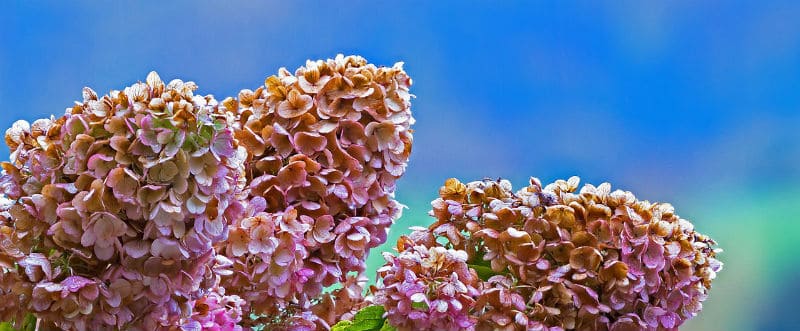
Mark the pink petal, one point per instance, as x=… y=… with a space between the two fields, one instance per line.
x=222 y=144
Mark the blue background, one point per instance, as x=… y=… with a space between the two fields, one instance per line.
x=695 y=104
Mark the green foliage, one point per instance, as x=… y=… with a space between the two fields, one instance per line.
x=484 y=272
x=219 y=125
x=387 y=326
x=369 y=318
x=420 y=306
x=483 y=267
x=29 y=324
x=341 y=326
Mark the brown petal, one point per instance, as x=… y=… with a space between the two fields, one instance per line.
x=560 y=215
x=309 y=143
x=615 y=270
x=253 y=143
x=585 y=258
x=453 y=190
x=561 y=252
x=279 y=139
x=293 y=174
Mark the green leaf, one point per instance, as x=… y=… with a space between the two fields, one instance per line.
x=341 y=326
x=219 y=124
x=163 y=123
x=29 y=324
x=420 y=306
x=190 y=143
x=369 y=318
x=206 y=132
x=484 y=272
x=387 y=327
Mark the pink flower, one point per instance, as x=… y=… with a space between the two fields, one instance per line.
x=215 y=312
x=428 y=289
x=324 y=180
x=222 y=144
x=385 y=136
x=106 y=222
x=102 y=233
x=322 y=230
x=296 y=104
x=562 y=257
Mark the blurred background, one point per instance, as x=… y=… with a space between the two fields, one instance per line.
x=694 y=104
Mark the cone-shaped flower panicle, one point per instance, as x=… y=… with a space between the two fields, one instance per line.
x=325 y=145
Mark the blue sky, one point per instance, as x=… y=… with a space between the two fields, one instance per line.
x=654 y=95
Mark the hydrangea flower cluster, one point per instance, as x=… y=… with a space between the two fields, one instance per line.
x=142 y=208
x=215 y=312
x=152 y=208
x=325 y=145
x=427 y=286
x=326 y=310
x=112 y=210
x=554 y=258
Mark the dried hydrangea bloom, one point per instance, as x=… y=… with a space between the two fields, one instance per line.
x=564 y=258
x=427 y=287
x=554 y=258
x=325 y=146
x=12 y=295
x=114 y=207
x=341 y=304
x=215 y=312
x=324 y=311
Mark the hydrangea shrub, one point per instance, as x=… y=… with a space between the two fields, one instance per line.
x=153 y=208
x=555 y=257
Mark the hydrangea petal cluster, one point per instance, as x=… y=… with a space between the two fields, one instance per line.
x=113 y=209
x=325 y=146
x=12 y=289
x=215 y=312
x=560 y=258
x=427 y=286
x=326 y=310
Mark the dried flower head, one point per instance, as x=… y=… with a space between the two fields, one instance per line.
x=559 y=258
x=215 y=311
x=325 y=146
x=427 y=288
x=114 y=207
